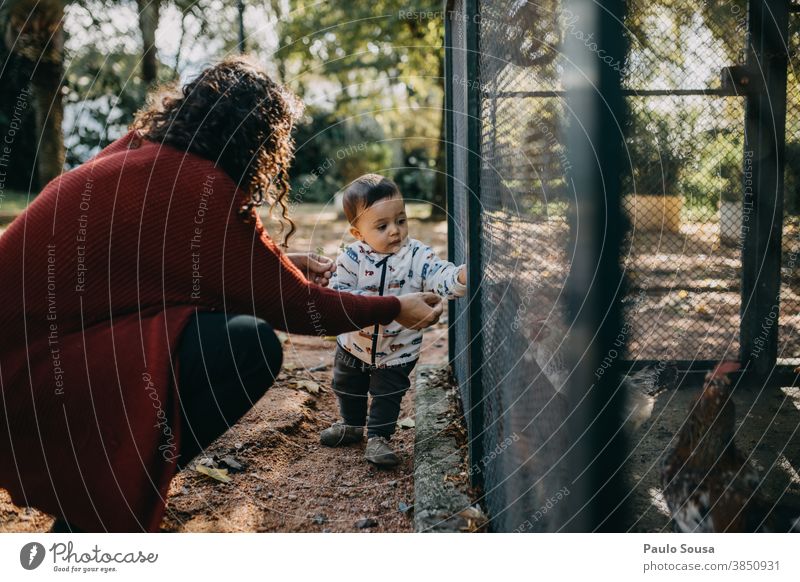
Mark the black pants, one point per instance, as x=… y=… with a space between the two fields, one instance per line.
x=226 y=364
x=353 y=380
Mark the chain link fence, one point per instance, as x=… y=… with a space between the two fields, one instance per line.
x=684 y=193
x=789 y=323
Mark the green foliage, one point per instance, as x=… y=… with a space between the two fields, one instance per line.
x=715 y=174
x=380 y=59
x=104 y=91
x=658 y=153
x=331 y=151
x=417 y=175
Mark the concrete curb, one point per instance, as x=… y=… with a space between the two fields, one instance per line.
x=438 y=503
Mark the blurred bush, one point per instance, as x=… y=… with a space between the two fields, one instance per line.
x=716 y=172
x=331 y=151
x=417 y=176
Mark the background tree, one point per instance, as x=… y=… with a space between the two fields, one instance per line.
x=373 y=58
x=16 y=108
x=148 y=24
x=34 y=34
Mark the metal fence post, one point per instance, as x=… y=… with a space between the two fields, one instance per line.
x=474 y=234
x=450 y=208
x=594 y=286
x=764 y=155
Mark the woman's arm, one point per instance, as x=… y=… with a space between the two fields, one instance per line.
x=215 y=260
x=278 y=292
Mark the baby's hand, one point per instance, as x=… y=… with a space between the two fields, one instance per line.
x=317 y=268
x=462 y=274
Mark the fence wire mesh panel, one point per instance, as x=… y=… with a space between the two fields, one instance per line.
x=524 y=202
x=789 y=322
x=525 y=255
x=683 y=193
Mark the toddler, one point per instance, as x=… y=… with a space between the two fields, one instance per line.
x=377 y=361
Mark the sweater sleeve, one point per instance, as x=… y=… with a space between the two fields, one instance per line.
x=438 y=276
x=277 y=291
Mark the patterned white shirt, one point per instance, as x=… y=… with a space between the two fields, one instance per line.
x=415 y=267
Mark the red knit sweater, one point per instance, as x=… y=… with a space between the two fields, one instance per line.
x=100 y=274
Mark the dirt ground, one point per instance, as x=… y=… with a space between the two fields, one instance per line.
x=287 y=481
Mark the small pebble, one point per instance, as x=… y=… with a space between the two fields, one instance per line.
x=366 y=522
x=269 y=495
x=291 y=497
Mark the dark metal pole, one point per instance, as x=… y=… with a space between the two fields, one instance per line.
x=240 y=6
x=450 y=169
x=764 y=159
x=594 y=288
x=474 y=232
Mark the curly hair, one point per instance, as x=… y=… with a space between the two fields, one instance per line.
x=233 y=114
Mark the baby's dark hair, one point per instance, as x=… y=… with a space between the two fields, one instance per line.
x=365 y=191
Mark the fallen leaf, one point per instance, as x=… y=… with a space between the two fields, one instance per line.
x=289 y=367
x=406 y=423
x=207 y=462
x=319 y=519
x=231 y=463
x=218 y=474
x=404 y=507
x=474 y=518
x=310 y=386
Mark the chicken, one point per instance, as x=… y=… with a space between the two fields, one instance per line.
x=549 y=347
x=709 y=485
x=549 y=351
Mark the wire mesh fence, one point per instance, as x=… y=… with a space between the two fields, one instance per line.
x=789 y=322
x=684 y=192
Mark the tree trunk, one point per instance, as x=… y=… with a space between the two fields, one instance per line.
x=148 y=23
x=49 y=108
x=35 y=33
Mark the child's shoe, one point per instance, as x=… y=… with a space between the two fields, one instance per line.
x=380 y=453
x=341 y=434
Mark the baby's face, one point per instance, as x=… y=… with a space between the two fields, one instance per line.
x=384 y=225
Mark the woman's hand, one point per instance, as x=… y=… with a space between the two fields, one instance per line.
x=316 y=268
x=419 y=310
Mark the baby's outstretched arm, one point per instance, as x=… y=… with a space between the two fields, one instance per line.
x=441 y=277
